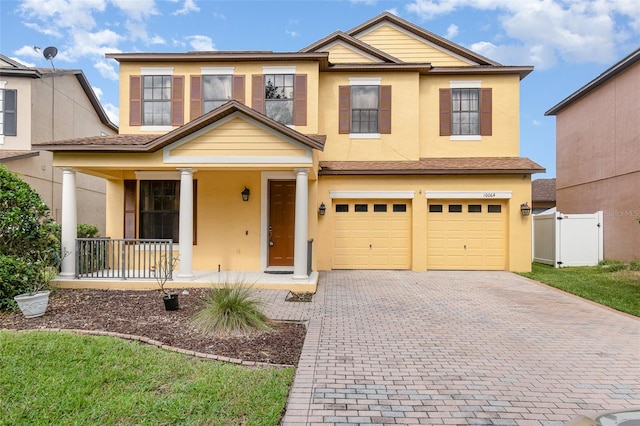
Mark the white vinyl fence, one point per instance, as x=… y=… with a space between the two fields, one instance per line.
x=567 y=239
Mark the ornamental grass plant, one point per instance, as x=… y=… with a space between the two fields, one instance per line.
x=230 y=309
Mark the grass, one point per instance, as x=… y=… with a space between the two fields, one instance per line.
x=609 y=284
x=230 y=309
x=63 y=378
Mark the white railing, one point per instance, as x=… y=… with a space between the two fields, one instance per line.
x=121 y=258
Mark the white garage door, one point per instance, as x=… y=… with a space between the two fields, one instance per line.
x=371 y=234
x=466 y=235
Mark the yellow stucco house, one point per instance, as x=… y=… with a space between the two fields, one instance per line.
x=387 y=145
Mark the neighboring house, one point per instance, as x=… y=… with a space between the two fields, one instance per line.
x=598 y=154
x=389 y=146
x=543 y=195
x=38 y=105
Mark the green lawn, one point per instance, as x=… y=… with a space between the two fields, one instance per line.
x=617 y=289
x=63 y=378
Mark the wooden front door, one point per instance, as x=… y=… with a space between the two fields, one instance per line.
x=282 y=203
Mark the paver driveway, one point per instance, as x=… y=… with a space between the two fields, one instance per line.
x=399 y=347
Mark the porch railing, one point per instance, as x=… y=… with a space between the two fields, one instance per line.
x=122 y=258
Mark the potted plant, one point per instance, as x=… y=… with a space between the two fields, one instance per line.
x=163 y=270
x=36 y=280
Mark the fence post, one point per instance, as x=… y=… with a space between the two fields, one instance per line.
x=124 y=258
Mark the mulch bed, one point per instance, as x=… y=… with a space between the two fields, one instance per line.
x=142 y=313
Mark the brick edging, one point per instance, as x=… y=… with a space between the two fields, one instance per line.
x=163 y=346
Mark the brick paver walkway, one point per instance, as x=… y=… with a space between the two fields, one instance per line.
x=398 y=347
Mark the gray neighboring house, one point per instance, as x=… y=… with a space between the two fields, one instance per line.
x=39 y=105
x=598 y=154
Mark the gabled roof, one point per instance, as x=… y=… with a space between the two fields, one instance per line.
x=153 y=143
x=19 y=70
x=422 y=33
x=433 y=166
x=610 y=73
x=345 y=38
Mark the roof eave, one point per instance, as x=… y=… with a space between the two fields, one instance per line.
x=522 y=71
x=324 y=171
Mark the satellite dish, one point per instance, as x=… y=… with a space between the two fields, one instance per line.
x=50 y=53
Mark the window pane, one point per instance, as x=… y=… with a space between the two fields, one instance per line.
x=494 y=208
x=435 y=208
x=364 y=97
x=364 y=109
x=278 y=87
x=342 y=208
x=465 y=107
x=474 y=208
x=380 y=208
x=216 y=91
x=455 y=208
x=279 y=110
x=399 y=208
x=156 y=100
x=159 y=209
x=361 y=208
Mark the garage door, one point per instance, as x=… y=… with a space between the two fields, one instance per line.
x=371 y=234
x=466 y=234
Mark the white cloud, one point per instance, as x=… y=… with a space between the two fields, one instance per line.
x=62 y=13
x=201 y=43
x=113 y=112
x=367 y=2
x=136 y=10
x=219 y=16
x=46 y=30
x=452 y=31
x=187 y=7
x=23 y=62
x=97 y=91
x=545 y=31
x=106 y=70
x=30 y=52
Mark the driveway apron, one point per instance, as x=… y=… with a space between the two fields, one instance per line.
x=401 y=347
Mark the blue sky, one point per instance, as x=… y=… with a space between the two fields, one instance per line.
x=569 y=42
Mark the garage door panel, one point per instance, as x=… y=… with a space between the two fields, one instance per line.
x=473 y=239
x=375 y=239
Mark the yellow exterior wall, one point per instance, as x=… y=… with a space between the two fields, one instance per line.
x=339 y=54
x=400 y=145
x=407 y=48
x=505 y=138
x=518 y=255
x=188 y=69
x=237 y=137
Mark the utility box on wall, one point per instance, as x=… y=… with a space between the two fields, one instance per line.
x=568 y=239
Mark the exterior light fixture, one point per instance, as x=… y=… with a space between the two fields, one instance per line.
x=245 y=194
x=525 y=209
x=322 y=209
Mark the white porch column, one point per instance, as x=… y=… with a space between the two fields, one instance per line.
x=301 y=225
x=69 y=223
x=185 y=270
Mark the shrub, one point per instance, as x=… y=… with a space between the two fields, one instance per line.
x=634 y=265
x=231 y=308
x=86 y=230
x=16 y=277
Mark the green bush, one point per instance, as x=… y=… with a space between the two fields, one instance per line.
x=634 y=265
x=87 y=231
x=230 y=309
x=16 y=277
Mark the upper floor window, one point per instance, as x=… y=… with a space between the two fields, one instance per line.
x=216 y=91
x=8 y=116
x=465 y=112
x=280 y=94
x=364 y=109
x=278 y=97
x=156 y=100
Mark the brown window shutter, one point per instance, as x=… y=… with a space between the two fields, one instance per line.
x=445 y=112
x=238 y=88
x=130 y=208
x=177 y=100
x=485 y=112
x=135 y=100
x=195 y=101
x=300 y=100
x=257 y=92
x=384 y=117
x=344 y=107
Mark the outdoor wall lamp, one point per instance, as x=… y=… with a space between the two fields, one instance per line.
x=525 y=209
x=322 y=209
x=245 y=194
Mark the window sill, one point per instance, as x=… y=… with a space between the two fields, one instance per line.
x=465 y=138
x=155 y=128
x=364 y=135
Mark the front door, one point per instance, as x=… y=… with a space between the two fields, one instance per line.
x=282 y=203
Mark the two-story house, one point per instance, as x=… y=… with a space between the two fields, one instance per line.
x=387 y=145
x=598 y=154
x=40 y=105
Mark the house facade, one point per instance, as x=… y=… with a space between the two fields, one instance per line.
x=387 y=145
x=598 y=155
x=39 y=105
